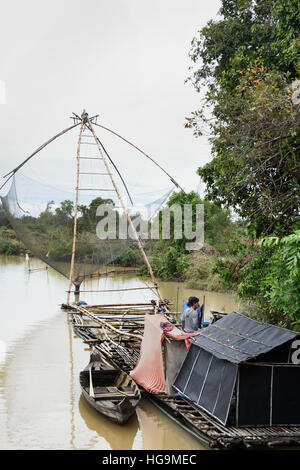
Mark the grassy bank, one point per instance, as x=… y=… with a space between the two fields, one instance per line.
x=200 y=274
x=195 y=269
x=9 y=244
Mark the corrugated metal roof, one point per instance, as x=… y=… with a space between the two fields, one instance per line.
x=237 y=338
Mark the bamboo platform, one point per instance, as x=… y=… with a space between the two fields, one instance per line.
x=115 y=331
x=215 y=435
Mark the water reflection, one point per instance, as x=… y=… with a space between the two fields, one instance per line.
x=160 y=432
x=119 y=437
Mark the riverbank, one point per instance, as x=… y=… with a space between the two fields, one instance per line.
x=198 y=268
x=9 y=244
x=198 y=275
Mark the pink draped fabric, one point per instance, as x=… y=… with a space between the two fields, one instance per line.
x=149 y=370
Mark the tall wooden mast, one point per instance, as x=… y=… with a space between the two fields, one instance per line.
x=86 y=119
x=71 y=277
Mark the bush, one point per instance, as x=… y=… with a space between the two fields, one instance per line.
x=169 y=262
x=267 y=272
x=9 y=247
x=130 y=258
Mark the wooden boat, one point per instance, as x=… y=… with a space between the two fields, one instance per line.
x=110 y=391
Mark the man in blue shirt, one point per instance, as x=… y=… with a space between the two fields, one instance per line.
x=190 y=318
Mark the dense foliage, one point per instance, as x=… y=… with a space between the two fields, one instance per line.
x=9 y=245
x=171 y=259
x=50 y=235
x=247 y=66
x=249 y=30
x=256 y=146
x=267 y=273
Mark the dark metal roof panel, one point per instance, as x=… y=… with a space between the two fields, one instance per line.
x=237 y=338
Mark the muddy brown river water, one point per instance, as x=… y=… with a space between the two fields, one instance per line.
x=41 y=406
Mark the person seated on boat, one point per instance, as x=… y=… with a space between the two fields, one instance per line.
x=190 y=320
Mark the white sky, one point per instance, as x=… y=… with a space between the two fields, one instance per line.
x=124 y=59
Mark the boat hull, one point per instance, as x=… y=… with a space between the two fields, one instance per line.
x=111 y=392
x=119 y=414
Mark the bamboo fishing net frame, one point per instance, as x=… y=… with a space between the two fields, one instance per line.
x=87 y=122
x=124 y=208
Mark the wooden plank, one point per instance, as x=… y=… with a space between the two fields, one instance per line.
x=119 y=305
x=112 y=396
x=92 y=341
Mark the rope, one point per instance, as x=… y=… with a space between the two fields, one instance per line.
x=141 y=151
x=12 y=172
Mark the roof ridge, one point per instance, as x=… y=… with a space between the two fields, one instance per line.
x=263 y=323
x=228 y=345
x=242 y=336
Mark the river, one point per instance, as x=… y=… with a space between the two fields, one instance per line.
x=41 y=406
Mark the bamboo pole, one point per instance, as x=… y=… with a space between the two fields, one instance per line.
x=121 y=305
x=120 y=290
x=75 y=215
x=104 y=323
x=129 y=327
x=115 y=313
x=112 y=341
x=124 y=207
x=118 y=319
x=107 y=314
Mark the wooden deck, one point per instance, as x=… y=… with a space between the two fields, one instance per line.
x=207 y=429
x=115 y=331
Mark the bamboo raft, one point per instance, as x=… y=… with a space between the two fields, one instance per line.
x=217 y=436
x=115 y=331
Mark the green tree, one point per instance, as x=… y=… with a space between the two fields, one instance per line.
x=217 y=220
x=248 y=59
x=245 y=63
x=267 y=272
x=87 y=219
x=64 y=212
x=171 y=259
x=255 y=166
x=281 y=285
x=248 y=30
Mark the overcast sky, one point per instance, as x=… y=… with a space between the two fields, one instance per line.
x=126 y=60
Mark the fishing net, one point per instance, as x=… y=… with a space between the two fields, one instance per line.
x=41 y=201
